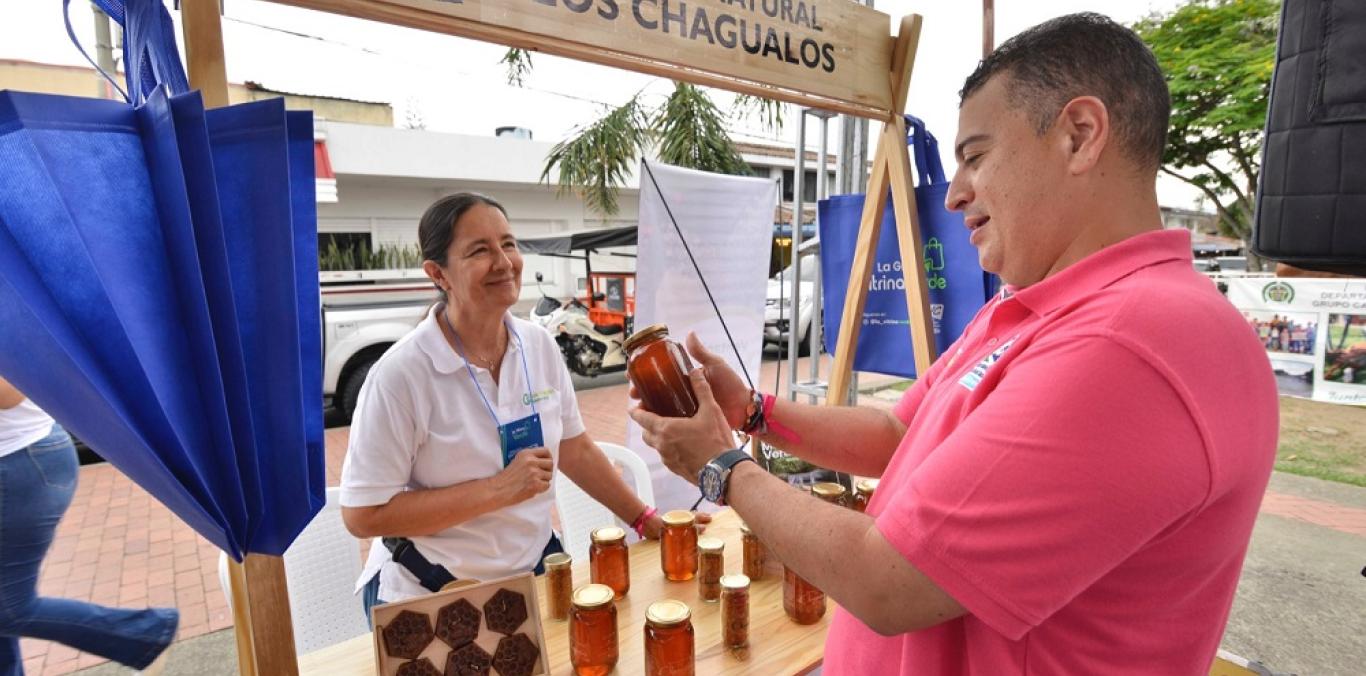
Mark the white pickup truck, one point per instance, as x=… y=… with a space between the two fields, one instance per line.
x=364 y=312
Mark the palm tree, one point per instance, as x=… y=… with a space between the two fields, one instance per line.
x=686 y=130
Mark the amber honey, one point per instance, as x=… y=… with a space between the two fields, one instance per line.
x=753 y=554
x=678 y=546
x=830 y=492
x=863 y=493
x=593 y=644
x=735 y=611
x=669 y=639
x=802 y=601
x=658 y=368
x=609 y=560
x=559 y=585
x=711 y=565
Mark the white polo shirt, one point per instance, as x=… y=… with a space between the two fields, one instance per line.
x=23 y=426
x=420 y=424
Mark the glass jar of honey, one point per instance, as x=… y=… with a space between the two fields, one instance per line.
x=608 y=560
x=830 y=492
x=678 y=546
x=711 y=565
x=735 y=611
x=753 y=553
x=559 y=585
x=658 y=368
x=593 y=646
x=863 y=493
x=668 y=639
x=802 y=601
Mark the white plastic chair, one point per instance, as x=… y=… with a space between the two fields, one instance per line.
x=580 y=513
x=321 y=568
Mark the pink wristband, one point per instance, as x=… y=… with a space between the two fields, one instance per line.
x=778 y=430
x=639 y=524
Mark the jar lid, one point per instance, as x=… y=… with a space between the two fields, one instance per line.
x=866 y=486
x=710 y=544
x=592 y=596
x=827 y=490
x=735 y=581
x=608 y=535
x=678 y=517
x=667 y=613
x=647 y=333
x=558 y=560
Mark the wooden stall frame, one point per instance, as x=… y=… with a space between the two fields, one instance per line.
x=260 y=599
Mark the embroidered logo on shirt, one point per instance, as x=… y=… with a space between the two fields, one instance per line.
x=973 y=378
x=534 y=397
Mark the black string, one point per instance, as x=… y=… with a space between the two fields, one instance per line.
x=706 y=288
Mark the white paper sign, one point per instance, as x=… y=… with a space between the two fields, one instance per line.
x=728 y=224
x=1314 y=331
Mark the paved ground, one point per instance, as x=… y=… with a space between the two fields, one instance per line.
x=1299 y=605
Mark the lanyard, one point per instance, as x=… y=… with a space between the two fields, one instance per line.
x=525 y=371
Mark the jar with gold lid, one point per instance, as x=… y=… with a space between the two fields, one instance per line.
x=658 y=368
x=559 y=585
x=863 y=493
x=669 y=649
x=711 y=565
x=735 y=611
x=678 y=545
x=802 y=601
x=830 y=492
x=608 y=560
x=593 y=643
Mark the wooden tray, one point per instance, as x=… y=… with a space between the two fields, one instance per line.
x=476 y=594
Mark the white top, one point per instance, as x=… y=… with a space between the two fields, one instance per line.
x=420 y=423
x=22 y=426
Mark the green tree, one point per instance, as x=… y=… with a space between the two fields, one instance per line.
x=1218 y=56
x=687 y=129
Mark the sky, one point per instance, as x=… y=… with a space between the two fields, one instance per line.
x=457 y=85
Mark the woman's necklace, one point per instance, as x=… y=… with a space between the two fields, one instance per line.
x=470 y=355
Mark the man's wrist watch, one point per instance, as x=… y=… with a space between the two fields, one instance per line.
x=714 y=478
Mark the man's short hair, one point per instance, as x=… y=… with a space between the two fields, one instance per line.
x=1085 y=54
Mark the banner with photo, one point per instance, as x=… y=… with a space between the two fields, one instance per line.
x=1314 y=331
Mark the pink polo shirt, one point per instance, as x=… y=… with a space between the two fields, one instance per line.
x=1081 y=471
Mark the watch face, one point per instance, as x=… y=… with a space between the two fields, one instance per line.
x=711 y=483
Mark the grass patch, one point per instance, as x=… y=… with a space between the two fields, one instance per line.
x=1326 y=441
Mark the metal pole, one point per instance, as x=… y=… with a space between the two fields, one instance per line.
x=104 y=53
x=988 y=27
x=798 y=179
x=814 y=332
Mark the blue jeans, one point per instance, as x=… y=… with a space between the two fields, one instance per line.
x=36 y=485
x=369 y=595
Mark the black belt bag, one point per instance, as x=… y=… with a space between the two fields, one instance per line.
x=431 y=576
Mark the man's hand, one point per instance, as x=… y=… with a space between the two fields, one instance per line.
x=528 y=476
x=730 y=390
x=686 y=444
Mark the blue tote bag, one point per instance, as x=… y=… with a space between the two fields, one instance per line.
x=958 y=286
x=158 y=289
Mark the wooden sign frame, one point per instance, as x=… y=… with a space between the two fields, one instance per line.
x=261 y=614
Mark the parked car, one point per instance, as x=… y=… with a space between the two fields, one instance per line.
x=778 y=314
x=363 y=315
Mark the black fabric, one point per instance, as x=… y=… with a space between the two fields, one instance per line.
x=1311 y=205
x=431 y=576
x=583 y=240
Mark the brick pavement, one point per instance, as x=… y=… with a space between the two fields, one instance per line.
x=118 y=546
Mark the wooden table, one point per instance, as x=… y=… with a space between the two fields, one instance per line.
x=777 y=644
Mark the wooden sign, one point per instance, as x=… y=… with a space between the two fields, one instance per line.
x=831 y=54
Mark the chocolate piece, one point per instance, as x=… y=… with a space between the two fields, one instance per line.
x=470 y=660
x=407 y=635
x=517 y=655
x=457 y=623
x=422 y=667
x=505 y=611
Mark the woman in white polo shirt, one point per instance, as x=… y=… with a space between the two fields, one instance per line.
x=426 y=473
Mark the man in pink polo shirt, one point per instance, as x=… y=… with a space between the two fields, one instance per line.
x=1070 y=489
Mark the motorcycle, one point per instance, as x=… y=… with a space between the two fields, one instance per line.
x=589 y=349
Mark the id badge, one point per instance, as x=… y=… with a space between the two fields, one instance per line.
x=520 y=435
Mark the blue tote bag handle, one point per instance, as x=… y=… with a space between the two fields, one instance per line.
x=150 y=55
x=925 y=149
